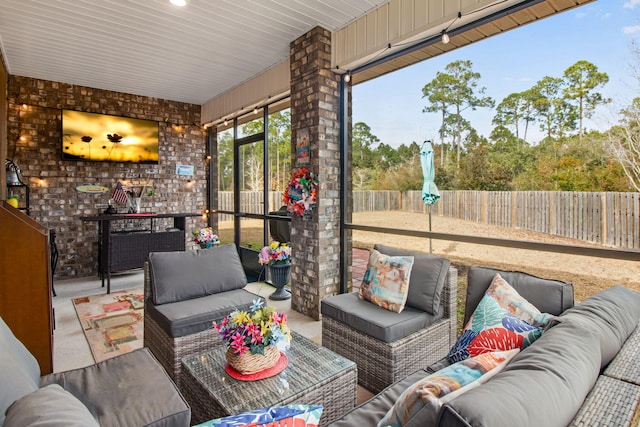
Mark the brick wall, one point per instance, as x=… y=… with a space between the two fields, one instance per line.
x=54 y=201
x=315 y=239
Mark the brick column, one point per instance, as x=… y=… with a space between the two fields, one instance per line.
x=315 y=238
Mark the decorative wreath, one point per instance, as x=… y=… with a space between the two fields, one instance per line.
x=301 y=193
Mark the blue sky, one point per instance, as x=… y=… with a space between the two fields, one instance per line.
x=600 y=32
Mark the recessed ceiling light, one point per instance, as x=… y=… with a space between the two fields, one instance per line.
x=179 y=2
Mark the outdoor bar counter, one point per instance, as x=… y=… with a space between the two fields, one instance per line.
x=128 y=247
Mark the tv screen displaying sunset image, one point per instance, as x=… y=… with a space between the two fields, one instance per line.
x=100 y=137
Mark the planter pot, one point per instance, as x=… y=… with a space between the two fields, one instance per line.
x=280 y=278
x=206 y=245
x=135 y=205
x=248 y=363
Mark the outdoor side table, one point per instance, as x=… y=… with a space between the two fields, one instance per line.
x=315 y=375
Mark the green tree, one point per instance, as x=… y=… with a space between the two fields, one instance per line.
x=479 y=172
x=363 y=142
x=225 y=160
x=386 y=156
x=624 y=141
x=437 y=92
x=405 y=176
x=514 y=110
x=555 y=115
x=582 y=79
x=279 y=149
x=456 y=88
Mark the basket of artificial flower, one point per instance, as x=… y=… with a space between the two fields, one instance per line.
x=205 y=237
x=254 y=338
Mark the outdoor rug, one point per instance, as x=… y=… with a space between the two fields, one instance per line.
x=112 y=324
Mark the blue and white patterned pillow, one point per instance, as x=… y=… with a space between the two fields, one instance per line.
x=266 y=417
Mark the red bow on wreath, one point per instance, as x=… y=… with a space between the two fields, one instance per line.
x=301 y=193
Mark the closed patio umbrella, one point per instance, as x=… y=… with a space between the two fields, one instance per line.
x=430 y=193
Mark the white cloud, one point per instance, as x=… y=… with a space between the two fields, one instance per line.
x=631 y=4
x=631 y=30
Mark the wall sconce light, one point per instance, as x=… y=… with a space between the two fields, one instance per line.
x=22 y=138
x=42 y=182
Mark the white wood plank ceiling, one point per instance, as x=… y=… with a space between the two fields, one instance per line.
x=156 y=49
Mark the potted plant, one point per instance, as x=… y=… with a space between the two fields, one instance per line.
x=277 y=256
x=254 y=338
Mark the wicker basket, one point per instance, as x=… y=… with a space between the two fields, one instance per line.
x=248 y=363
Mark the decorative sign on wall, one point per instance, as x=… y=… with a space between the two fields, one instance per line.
x=186 y=170
x=90 y=188
x=303 y=146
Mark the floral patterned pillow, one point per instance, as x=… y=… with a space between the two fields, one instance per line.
x=503 y=320
x=386 y=281
x=290 y=415
x=420 y=403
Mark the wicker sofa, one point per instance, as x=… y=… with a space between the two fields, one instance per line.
x=583 y=370
x=184 y=293
x=128 y=390
x=388 y=346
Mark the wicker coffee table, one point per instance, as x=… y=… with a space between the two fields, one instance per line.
x=315 y=375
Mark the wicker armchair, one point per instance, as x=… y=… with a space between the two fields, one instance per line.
x=175 y=329
x=382 y=363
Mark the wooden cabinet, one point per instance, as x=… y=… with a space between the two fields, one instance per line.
x=26 y=284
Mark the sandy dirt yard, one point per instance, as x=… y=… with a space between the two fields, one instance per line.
x=588 y=274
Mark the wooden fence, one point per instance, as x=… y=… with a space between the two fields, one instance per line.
x=610 y=219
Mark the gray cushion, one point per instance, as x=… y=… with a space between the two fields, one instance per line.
x=544 y=385
x=19 y=370
x=375 y=321
x=612 y=314
x=128 y=390
x=182 y=318
x=548 y=296
x=372 y=411
x=178 y=276
x=50 y=406
x=427 y=278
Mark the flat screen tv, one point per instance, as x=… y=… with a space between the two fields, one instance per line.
x=105 y=138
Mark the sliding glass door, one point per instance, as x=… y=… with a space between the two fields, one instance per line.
x=254 y=163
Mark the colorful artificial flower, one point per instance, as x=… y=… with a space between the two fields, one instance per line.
x=275 y=253
x=301 y=193
x=205 y=235
x=255 y=329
